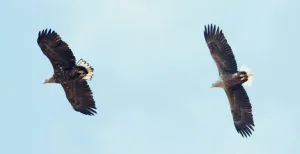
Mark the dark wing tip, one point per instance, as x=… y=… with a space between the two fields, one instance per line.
x=245 y=129
x=47 y=33
x=212 y=32
x=87 y=110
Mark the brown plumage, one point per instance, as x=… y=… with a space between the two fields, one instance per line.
x=80 y=96
x=230 y=80
x=70 y=75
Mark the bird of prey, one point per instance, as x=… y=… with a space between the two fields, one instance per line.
x=72 y=76
x=231 y=80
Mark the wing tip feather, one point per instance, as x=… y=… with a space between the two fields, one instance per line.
x=212 y=31
x=47 y=32
x=245 y=130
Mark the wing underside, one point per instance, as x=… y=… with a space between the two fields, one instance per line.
x=220 y=50
x=241 y=110
x=57 y=51
x=80 y=96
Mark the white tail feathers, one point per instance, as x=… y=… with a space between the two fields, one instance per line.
x=90 y=69
x=249 y=74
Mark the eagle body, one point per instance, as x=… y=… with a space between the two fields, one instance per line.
x=231 y=80
x=72 y=76
x=66 y=74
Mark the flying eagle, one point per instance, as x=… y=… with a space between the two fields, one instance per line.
x=231 y=80
x=72 y=76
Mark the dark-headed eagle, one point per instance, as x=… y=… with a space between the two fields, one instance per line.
x=231 y=80
x=72 y=76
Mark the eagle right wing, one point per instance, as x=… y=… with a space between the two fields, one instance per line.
x=220 y=50
x=80 y=96
x=57 y=51
x=241 y=110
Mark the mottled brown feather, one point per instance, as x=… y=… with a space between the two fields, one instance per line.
x=80 y=96
x=57 y=51
x=241 y=110
x=220 y=50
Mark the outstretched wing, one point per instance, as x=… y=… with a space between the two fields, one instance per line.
x=220 y=49
x=241 y=110
x=57 y=51
x=80 y=96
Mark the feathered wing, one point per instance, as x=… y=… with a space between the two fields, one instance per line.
x=241 y=110
x=220 y=50
x=57 y=51
x=80 y=96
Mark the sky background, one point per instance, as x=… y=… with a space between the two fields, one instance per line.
x=153 y=73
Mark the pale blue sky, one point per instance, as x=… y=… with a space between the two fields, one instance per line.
x=152 y=80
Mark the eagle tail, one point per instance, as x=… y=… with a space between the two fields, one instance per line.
x=249 y=74
x=89 y=69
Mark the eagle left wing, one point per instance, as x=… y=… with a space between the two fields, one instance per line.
x=80 y=96
x=241 y=110
x=57 y=51
x=220 y=50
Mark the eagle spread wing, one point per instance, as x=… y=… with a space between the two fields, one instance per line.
x=220 y=49
x=241 y=110
x=57 y=51
x=80 y=96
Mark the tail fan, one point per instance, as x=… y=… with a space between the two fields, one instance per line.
x=89 y=69
x=249 y=74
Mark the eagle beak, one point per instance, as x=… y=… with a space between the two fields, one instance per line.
x=50 y=80
x=46 y=81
